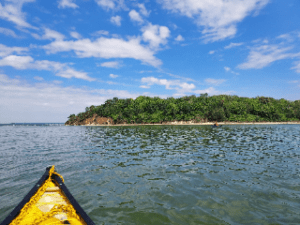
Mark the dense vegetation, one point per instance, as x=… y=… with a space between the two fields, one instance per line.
x=203 y=108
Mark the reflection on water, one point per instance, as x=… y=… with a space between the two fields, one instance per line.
x=161 y=174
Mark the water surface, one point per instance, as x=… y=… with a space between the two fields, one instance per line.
x=244 y=174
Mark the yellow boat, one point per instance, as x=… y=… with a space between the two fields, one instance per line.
x=48 y=202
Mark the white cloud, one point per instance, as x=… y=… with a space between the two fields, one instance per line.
x=12 y=11
x=113 y=75
x=39 y=102
x=180 y=87
x=101 y=33
x=143 y=10
x=70 y=73
x=232 y=45
x=67 y=4
x=106 y=48
x=74 y=34
x=5 y=51
x=214 y=81
x=108 y=4
x=261 y=56
x=294 y=81
x=286 y=37
x=116 y=20
x=135 y=16
x=7 y=32
x=49 y=35
x=38 y=78
x=210 y=91
x=181 y=77
x=179 y=38
x=27 y=62
x=112 y=64
x=297 y=66
x=155 y=35
x=227 y=68
x=183 y=88
x=211 y=52
x=144 y=86
x=57 y=82
x=217 y=17
x=111 y=4
x=18 y=62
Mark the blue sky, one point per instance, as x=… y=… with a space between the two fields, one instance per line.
x=57 y=57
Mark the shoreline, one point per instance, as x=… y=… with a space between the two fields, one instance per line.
x=191 y=123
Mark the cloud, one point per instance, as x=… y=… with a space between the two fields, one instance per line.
x=297 y=66
x=108 y=4
x=18 y=62
x=7 y=32
x=57 y=82
x=112 y=64
x=39 y=101
x=211 y=52
x=111 y=4
x=135 y=16
x=70 y=73
x=179 y=38
x=218 y=18
x=67 y=4
x=49 y=35
x=27 y=62
x=74 y=34
x=180 y=77
x=100 y=33
x=38 y=78
x=262 y=56
x=155 y=35
x=143 y=10
x=12 y=11
x=212 y=91
x=286 y=37
x=232 y=45
x=144 y=86
x=113 y=75
x=106 y=48
x=228 y=69
x=180 y=87
x=214 y=81
x=5 y=51
x=116 y=20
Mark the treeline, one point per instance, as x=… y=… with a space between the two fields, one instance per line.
x=202 y=108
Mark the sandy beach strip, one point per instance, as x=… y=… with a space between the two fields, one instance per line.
x=192 y=123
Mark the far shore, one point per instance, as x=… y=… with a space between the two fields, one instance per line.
x=192 y=123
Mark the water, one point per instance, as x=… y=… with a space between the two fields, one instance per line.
x=161 y=174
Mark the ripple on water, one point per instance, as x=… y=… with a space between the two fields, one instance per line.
x=161 y=174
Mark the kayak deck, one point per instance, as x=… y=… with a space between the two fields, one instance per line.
x=49 y=202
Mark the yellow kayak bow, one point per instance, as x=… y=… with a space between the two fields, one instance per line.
x=48 y=202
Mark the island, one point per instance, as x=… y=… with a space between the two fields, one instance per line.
x=203 y=109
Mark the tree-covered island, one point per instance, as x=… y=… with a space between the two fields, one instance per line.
x=204 y=108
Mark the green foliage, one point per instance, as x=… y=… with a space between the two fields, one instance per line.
x=72 y=116
x=202 y=108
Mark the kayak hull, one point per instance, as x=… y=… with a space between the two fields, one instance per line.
x=48 y=202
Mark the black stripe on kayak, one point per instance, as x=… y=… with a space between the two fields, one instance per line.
x=27 y=198
x=73 y=201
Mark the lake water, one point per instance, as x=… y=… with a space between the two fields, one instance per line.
x=244 y=174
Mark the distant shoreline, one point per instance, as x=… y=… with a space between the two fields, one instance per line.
x=189 y=123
